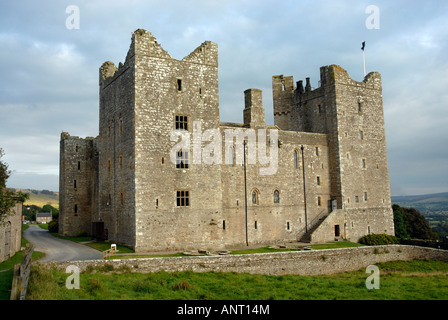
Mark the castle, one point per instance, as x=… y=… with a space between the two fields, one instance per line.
x=327 y=177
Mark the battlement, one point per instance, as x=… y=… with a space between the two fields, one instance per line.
x=144 y=43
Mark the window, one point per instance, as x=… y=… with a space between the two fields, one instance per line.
x=319 y=201
x=74 y=184
x=288 y=226
x=231 y=156
x=182 y=122
x=223 y=224
x=319 y=109
x=79 y=165
x=296 y=162
x=157 y=203
x=361 y=133
x=356 y=199
x=254 y=197
x=76 y=209
x=318 y=181
x=182 y=160
x=108 y=165
x=317 y=151
x=365 y=196
x=76 y=148
x=364 y=163
x=121 y=197
x=183 y=198
x=276 y=196
x=179 y=84
x=336 y=230
x=359 y=107
x=255 y=225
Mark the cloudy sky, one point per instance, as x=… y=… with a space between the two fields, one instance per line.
x=49 y=72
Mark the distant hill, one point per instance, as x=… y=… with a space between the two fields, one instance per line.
x=41 y=197
x=433 y=206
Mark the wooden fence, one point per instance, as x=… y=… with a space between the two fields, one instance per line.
x=110 y=252
x=22 y=274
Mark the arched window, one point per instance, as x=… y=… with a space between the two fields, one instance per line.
x=276 y=196
x=254 y=197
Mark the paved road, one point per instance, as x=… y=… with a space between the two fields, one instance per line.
x=58 y=249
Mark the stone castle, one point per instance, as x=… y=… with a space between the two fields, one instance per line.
x=127 y=186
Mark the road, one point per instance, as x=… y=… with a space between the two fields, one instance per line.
x=58 y=249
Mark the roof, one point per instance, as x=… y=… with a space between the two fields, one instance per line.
x=43 y=214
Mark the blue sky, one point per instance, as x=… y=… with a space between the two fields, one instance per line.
x=49 y=73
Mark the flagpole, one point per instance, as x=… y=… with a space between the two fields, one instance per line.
x=363 y=57
x=364 y=62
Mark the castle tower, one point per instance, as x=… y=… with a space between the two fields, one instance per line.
x=351 y=114
x=77 y=184
x=254 y=116
x=143 y=102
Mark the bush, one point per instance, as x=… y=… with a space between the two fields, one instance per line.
x=53 y=226
x=378 y=239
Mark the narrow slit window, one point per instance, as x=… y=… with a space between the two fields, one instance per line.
x=361 y=134
x=79 y=165
x=296 y=160
x=364 y=163
x=318 y=181
x=179 y=84
x=319 y=201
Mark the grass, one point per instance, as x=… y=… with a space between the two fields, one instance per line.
x=415 y=280
x=7 y=270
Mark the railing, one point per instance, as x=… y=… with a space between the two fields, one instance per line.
x=22 y=274
x=313 y=223
x=110 y=252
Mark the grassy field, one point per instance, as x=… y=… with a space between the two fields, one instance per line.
x=415 y=280
x=40 y=199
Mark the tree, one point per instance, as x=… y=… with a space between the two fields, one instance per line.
x=400 y=227
x=410 y=223
x=8 y=198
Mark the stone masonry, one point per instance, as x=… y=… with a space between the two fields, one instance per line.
x=128 y=186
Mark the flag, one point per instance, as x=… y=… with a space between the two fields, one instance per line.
x=363 y=45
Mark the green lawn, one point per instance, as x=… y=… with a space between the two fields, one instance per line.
x=415 y=280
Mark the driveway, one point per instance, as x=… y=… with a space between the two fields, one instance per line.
x=59 y=249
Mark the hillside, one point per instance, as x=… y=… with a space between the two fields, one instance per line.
x=428 y=204
x=41 y=197
x=434 y=207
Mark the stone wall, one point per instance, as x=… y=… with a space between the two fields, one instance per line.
x=11 y=233
x=314 y=262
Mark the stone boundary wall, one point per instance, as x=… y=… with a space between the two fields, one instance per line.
x=313 y=262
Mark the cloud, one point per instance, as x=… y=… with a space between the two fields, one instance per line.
x=49 y=74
